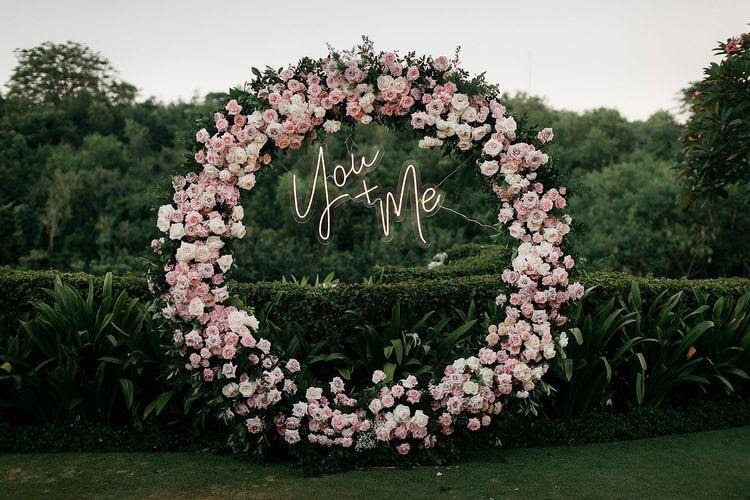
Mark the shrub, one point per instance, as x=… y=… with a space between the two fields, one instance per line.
x=717 y=135
x=632 y=341
x=83 y=358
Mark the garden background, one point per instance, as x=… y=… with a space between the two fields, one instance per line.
x=659 y=345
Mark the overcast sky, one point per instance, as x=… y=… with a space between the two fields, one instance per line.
x=630 y=55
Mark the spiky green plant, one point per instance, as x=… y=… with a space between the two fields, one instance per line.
x=94 y=359
x=671 y=362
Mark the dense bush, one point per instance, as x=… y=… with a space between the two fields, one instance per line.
x=67 y=205
x=717 y=136
x=514 y=431
x=632 y=342
x=323 y=307
x=81 y=359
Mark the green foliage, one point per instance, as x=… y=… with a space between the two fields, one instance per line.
x=513 y=430
x=400 y=347
x=626 y=208
x=670 y=361
x=717 y=135
x=67 y=205
x=595 y=357
x=51 y=72
x=83 y=359
x=727 y=349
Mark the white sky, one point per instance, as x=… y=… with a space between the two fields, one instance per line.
x=630 y=55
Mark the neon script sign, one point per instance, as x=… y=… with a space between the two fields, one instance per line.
x=390 y=205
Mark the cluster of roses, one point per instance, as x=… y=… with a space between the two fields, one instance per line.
x=204 y=213
x=471 y=388
x=395 y=422
x=323 y=420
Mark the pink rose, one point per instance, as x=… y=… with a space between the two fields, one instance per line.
x=292 y=366
x=545 y=135
x=474 y=424
x=233 y=107
x=441 y=63
x=202 y=135
x=270 y=116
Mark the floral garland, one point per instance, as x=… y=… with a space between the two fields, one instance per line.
x=285 y=109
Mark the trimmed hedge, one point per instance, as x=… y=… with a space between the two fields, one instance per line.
x=512 y=430
x=323 y=309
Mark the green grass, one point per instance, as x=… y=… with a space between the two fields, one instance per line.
x=715 y=464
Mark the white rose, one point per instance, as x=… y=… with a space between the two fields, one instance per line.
x=225 y=175
x=430 y=142
x=217 y=225
x=459 y=102
x=230 y=390
x=489 y=168
x=365 y=120
x=211 y=171
x=202 y=253
x=246 y=181
x=313 y=393
x=236 y=321
x=563 y=340
x=247 y=388
x=228 y=370
x=376 y=405
x=492 y=147
x=473 y=362
x=252 y=322
x=255 y=119
x=195 y=307
x=469 y=114
x=224 y=262
x=186 y=252
x=165 y=211
x=459 y=365
x=384 y=82
x=176 y=231
x=479 y=132
x=332 y=126
x=401 y=413
x=214 y=242
x=238 y=230
x=420 y=419
x=299 y=409
x=378 y=376
x=163 y=224
x=463 y=131
x=470 y=387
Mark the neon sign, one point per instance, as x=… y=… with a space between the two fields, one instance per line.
x=390 y=204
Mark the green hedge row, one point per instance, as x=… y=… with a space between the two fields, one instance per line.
x=513 y=431
x=323 y=309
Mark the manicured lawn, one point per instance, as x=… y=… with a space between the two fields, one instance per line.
x=715 y=464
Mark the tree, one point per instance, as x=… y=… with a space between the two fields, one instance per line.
x=716 y=152
x=51 y=72
x=631 y=223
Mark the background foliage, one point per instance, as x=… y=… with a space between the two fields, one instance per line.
x=81 y=156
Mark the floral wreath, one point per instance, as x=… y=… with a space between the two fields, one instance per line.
x=216 y=343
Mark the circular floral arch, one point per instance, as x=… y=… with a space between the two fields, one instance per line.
x=218 y=346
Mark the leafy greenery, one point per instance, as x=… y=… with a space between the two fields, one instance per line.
x=716 y=140
x=594 y=357
x=631 y=342
x=79 y=182
x=81 y=359
x=670 y=361
x=400 y=348
x=52 y=72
